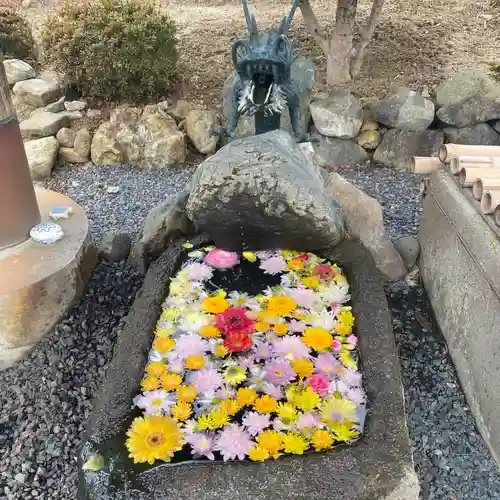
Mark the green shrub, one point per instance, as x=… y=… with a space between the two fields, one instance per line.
x=112 y=49
x=16 y=39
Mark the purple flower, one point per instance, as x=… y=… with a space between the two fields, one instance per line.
x=304 y=297
x=225 y=392
x=356 y=395
x=247 y=361
x=274 y=265
x=234 y=442
x=309 y=421
x=201 y=444
x=279 y=426
x=336 y=345
x=191 y=345
x=199 y=272
x=272 y=390
x=290 y=345
x=262 y=351
x=325 y=364
x=206 y=380
x=353 y=378
x=279 y=372
x=297 y=326
x=352 y=339
x=256 y=422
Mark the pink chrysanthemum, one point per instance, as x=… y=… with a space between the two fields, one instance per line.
x=337 y=345
x=272 y=390
x=199 y=272
x=353 y=378
x=279 y=373
x=262 y=351
x=202 y=444
x=221 y=259
x=325 y=365
x=290 y=345
x=352 y=339
x=256 y=422
x=191 y=345
x=206 y=380
x=234 y=442
x=356 y=395
x=274 y=265
x=318 y=383
x=305 y=297
x=225 y=392
x=309 y=420
x=297 y=326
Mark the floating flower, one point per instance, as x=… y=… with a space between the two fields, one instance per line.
x=280 y=329
x=325 y=364
x=295 y=443
x=324 y=272
x=308 y=422
x=272 y=390
x=256 y=422
x=194 y=321
x=295 y=265
x=337 y=411
x=206 y=380
x=234 y=320
x=310 y=282
x=154 y=402
x=210 y=332
x=218 y=419
x=186 y=393
x=279 y=372
x=346 y=317
x=153 y=438
x=304 y=297
x=356 y=395
x=198 y=271
x=225 y=392
x=182 y=411
x=270 y=440
x=290 y=347
x=318 y=339
x=335 y=294
x=258 y=454
x=194 y=362
x=171 y=381
x=234 y=375
x=325 y=320
x=156 y=369
x=302 y=367
x=342 y=329
x=262 y=326
x=238 y=299
x=318 y=384
x=234 y=442
x=352 y=339
x=221 y=351
x=215 y=305
x=262 y=351
x=265 y=404
x=307 y=400
x=230 y=406
x=163 y=345
x=221 y=259
x=250 y=256
x=281 y=305
x=246 y=396
x=322 y=440
x=237 y=342
x=286 y=412
x=202 y=444
x=297 y=326
x=191 y=345
x=273 y=265
x=150 y=383
x=336 y=345
x=352 y=377
x=303 y=257
x=343 y=432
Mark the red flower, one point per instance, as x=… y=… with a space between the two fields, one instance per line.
x=238 y=342
x=234 y=320
x=324 y=272
x=302 y=257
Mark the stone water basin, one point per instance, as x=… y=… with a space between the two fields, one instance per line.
x=377 y=466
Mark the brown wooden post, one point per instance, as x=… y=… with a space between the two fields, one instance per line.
x=18 y=206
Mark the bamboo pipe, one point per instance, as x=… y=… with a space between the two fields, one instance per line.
x=459 y=162
x=496 y=216
x=425 y=165
x=480 y=185
x=448 y=151
x=467 y=176
x=490 y=201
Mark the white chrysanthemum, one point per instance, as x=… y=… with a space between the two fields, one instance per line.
x=155 y=402
x=324 y=320
x=193 y=321
x=336 y=294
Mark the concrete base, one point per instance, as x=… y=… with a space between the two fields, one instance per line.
x=38 y=283
x=379 y=466
x=460 y=268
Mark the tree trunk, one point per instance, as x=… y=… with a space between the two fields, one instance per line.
x=18 y=206
x=313 y=26
x=341 y=51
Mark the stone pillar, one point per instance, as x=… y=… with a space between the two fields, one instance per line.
x=18 y=205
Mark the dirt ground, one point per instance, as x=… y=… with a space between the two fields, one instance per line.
x=417 y=42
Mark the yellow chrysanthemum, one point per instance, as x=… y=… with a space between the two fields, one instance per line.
x=163 y=344
x=318 y=339
x=230 y=406
x=310 y=282
x=218 y=419
x=292 y=392
x=246 y=396
x=271 y=440
x=162 y=332
x=302 y=367
x=221 y=351
x=204 y=422
x=150 y=383
x=295 y=265
x=307 y=400
x=210 y=332
x=335 y=411
x=342 y=329
x=156 y=369
x=280 y=329
x=170 y=314
x=286 y=412
x=182 y=411
x=194 y=362
x=215 y=305
x=250 y=256
x=171 y=381
x=187 y=393
x=347 y=360
x=153 y=438
x=262 y=326
x=295 y=443
x=258 y=454
x=281 y=305
x=346 y=317
x=234 y=375
x=265 y=404
x=322 y=440
x=344 y=432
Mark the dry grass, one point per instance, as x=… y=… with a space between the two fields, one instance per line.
x=417 y=43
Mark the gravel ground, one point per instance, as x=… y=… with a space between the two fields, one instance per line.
x=45 y=400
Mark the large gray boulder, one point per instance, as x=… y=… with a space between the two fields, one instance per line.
x=43 y=124
x=304 y=76
x=398 y=146
x=38 y=91
x=404 y=109
x=338 y=115
x=41 y=155
x=17 y=71
x=331 y=151
x=261 y=192
x=463 y=85
x=480 y=134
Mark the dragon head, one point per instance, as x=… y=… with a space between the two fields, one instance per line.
x=263 y=63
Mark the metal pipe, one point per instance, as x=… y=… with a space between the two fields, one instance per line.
x=18 y=206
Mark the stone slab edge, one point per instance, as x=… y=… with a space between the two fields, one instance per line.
x=379 y=466
x=460 y=268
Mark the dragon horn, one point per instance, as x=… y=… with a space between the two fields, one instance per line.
x=287 y=21
x=251 y=22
